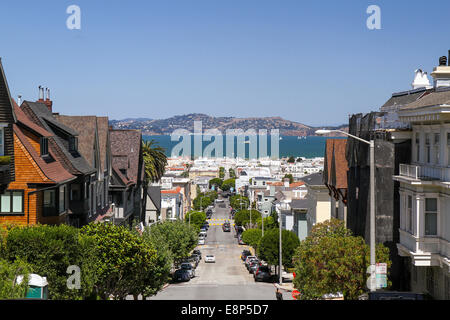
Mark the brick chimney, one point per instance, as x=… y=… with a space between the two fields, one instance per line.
x=48 y=102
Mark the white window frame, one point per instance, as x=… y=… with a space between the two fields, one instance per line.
x=438 y=209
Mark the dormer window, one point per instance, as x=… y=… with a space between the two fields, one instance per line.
x=44 y=146
x=73 y=144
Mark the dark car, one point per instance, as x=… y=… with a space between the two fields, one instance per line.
x=206 y=225
x=198 y=253
x=262 y=274
x=245 y=254
x=181 y=275
x=226 y=227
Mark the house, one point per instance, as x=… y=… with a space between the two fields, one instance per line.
x=153 y=205
x=298 y=217
x=7 y=119
x=94 y=145
x=39 y=192
x=172 y=204
x=63 y=141
x=318 y=202
x=127 y=175
x=424 y=189
x=335 y=177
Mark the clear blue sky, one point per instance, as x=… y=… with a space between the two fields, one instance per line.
x=309 y=61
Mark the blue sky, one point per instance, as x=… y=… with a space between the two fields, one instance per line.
x=313 y=62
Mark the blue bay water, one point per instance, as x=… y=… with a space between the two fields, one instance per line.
x=308 y=147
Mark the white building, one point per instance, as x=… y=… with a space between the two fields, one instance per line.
x=425 y=189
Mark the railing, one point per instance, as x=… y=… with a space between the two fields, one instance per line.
x=425 y=244
x=425 y=172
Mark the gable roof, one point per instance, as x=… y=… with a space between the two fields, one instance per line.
x=5 y=97
x=433 y=98
x=41 y=115
x=25 y=121
x=125 y=152
x=51 y=168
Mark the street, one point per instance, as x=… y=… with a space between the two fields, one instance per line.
x=227 y=278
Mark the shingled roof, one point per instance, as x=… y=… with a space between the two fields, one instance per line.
x=42 y=116
x=125 y=151
x=103 y=139
x=434 y=98
x=402 y=98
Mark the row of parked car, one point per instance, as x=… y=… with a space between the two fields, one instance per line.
x=187 y=268
x=260 y=271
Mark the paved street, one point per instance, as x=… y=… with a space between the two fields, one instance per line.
x=227 y=279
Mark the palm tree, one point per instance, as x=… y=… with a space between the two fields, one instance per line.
x=155 y=161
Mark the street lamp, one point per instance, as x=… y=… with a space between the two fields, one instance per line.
x=371 y=143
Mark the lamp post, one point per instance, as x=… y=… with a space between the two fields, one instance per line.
x=371 y=143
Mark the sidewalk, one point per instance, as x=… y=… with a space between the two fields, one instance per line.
x=289 y=286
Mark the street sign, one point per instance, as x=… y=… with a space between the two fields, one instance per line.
x=381 y=268
x=381 y=281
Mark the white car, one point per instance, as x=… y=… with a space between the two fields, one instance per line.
x=210 y=258
x=201 y=241
x=203 y=234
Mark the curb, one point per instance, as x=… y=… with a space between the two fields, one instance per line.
x=288 y=289
x=165 y=286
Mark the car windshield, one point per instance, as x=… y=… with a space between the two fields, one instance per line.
x=210 y=256
x=186 y=266
x=264 y=269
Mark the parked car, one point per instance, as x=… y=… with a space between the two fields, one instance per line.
x=206 y=225
x=198 y=252
x=203 y=229
x=181 y=275
x=201 y=241
x=187 y=266
x=226 y=227
x=247 y=260
x=262 y=273
x=245 y=254
x=209 y=258
x=240 y=241
x=251 y=263
x=193 y=260
x=203 y=234
x=253 y=266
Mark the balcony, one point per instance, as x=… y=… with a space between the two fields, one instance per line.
x=425 y=172
x=425 y=251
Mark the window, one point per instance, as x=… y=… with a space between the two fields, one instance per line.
x=73 y=144
x=417 y=147
x=11 y=201
x=409 y=217
x=436 y=147
x=431 y=216
x=2 y=141
x=49 y=203
x=75 y=192
x=62 y=199
x=44 y=146
x=428 y=148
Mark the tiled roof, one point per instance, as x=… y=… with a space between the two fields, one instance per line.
x=171 y=191
x=434 y=98
x=24 y=120
x=125 y=151
x=51 y=168
x=401 y=99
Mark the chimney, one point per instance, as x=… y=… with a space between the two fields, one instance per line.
x=441 y=74
x=48 y=102
x=19 y=100
x=41 y=94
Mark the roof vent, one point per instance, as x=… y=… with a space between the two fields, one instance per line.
x=443 y=61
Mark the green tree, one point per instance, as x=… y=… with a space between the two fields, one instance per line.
x=331 y=260
x=252 y=237
x=269 y=251
x=232 y=173
x=221 y=172
x=269 y=223
x=197 y=219
x=235 y=202
x=50 y=250
x=181 y=239
x=291 y=159
x=9 y=271
x=290 y=177
x=216 y=182
x=124 y=261
x=155 y=161
x=242 y=217
x=228 y=184
x=201 y=202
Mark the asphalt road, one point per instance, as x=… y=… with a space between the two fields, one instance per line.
x=227 y=278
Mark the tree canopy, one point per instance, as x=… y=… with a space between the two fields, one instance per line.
x=228 y=184
x=331 y=260
x=235 y=202
x=197 y=218
x=252 y=237
x=269 y=251
x=242 y=217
